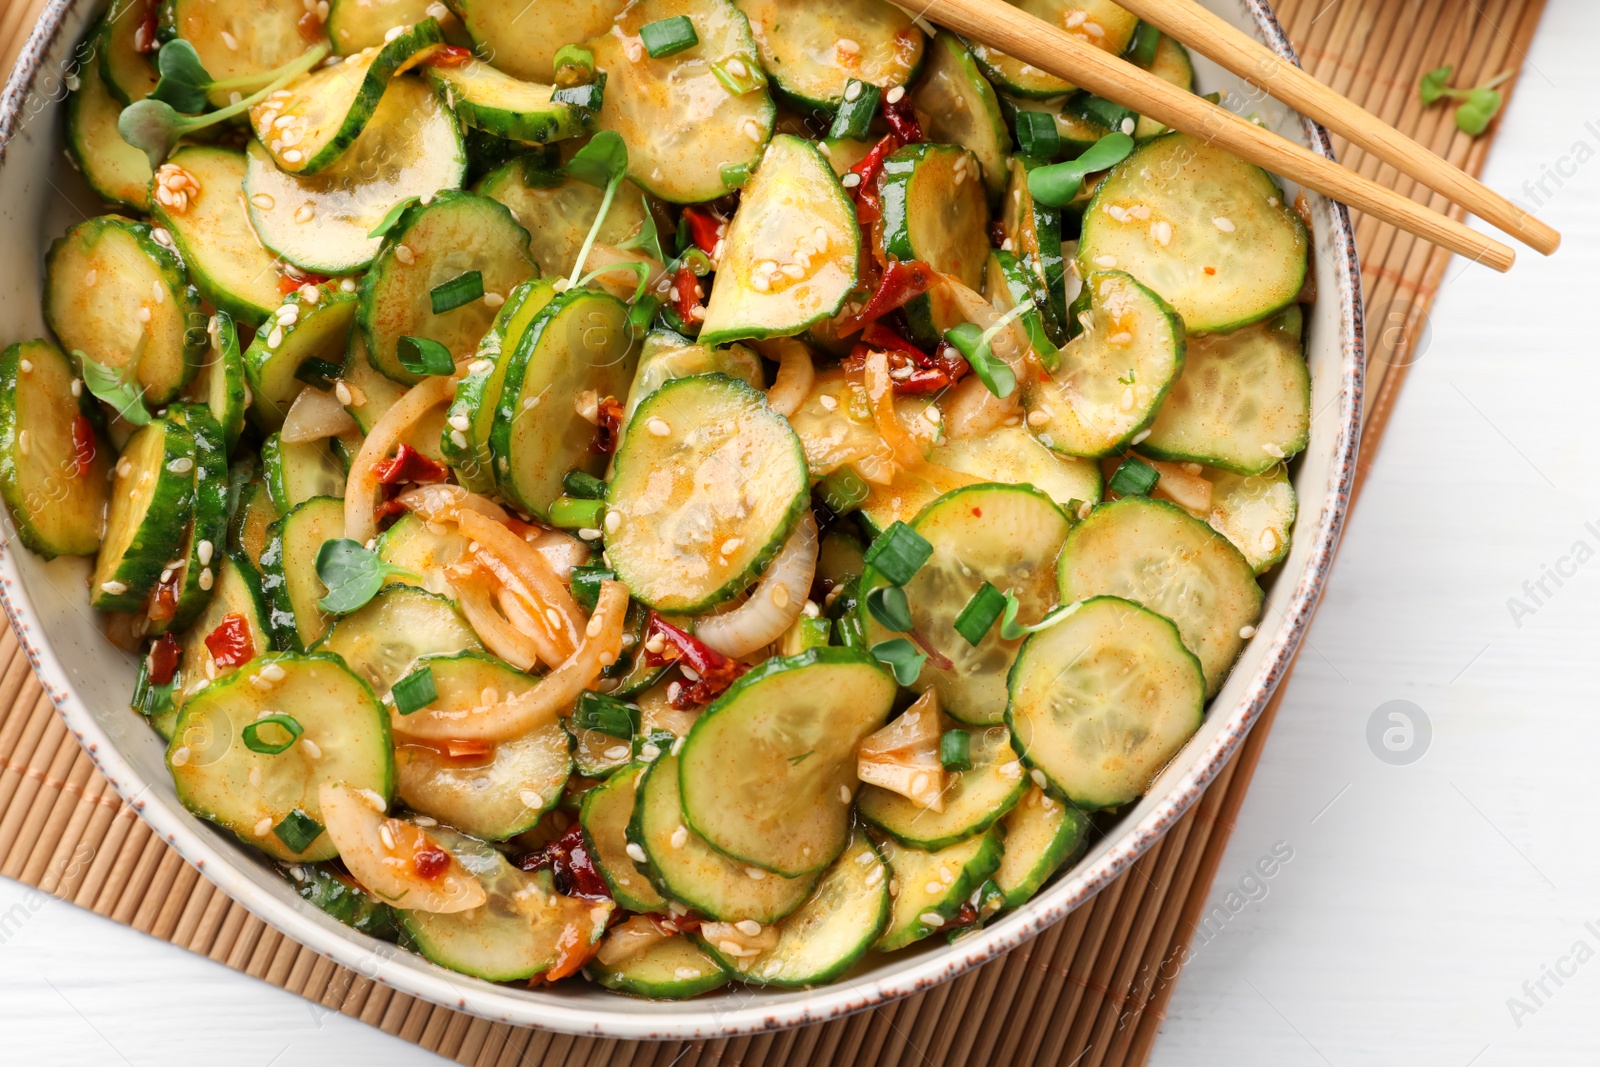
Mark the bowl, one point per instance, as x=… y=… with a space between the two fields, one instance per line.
x=89 y=681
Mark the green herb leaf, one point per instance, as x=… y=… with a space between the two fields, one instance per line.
x=1480 y=108
x=603 y=163
x=153 y=127
x=1058 y=184
x=898 y=553
x=641 y=315
x=108 y=386
x=640 y=271
x=184 y=79
x=977 y=618
x=795 y=761
x=459 y=291
x=607 y=715
x=902 y=658
x=648 y=239
x=1436 y=84
x=1012 y=630
x=1134 y=477
x=995 y=373
x=955 y=750
x=415 y=691
x=251 y=734
x=297 y=831
x=888 y=605
x=668 y=37
x=419 y=355
x=353 y=574
x=392 y=216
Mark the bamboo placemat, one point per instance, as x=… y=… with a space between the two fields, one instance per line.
x=1091 y=990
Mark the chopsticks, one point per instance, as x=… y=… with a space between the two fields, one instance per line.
x=1052 y=49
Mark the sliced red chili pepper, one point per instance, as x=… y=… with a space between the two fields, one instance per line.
x=408 y=465
x=714 y=672
x=164 y=600
x=568 y=859
x=901 y=283
x=164 y=656
x=882 y=338
x=705 y=229
x=902 y=119
x=230 y=644
x=83 y=444
x=449 y=55
x=687 y=299
x=608 y=430
x=866 y=170
x=430 y=863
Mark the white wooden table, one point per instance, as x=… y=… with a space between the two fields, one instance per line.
x=1420 y=900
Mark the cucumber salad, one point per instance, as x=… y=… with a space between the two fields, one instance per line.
x=667 y=493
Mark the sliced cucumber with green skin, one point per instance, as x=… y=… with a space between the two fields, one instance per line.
x=793 y=219
x=129 y=73
x=200 y=554
x=424 y=550
x=578 y=343
x=410 y=147
x=1243 y=402
x=383 y=640
x=340 y=896
x=301 y=471
x=706 y=487
x=151 y=505
x=430 y=245
x=935 y=210
x=372 y=395
x=829 y=933
x=221 y=384
x=1080 y=18
x=667 y=355
x=300 y=329
x=56 y=511
x=805 y=51
x=234 y=40
x=213 y=235
x=221 y=779
x=1171 y=64
x=1010 y=454
x=247 y=531
x=116 y=294
x=1256 y=512
x=237 y=591
x=974 y=800
x=491 y=797
x=795 y=721
x=524 y=928
x=962 y=109
x=493 y=101
x=684 y=868
x=1156 y=554
x=1008 y=285
x=290 y=563
x=309 y=123
x=674 y=969
x=1042 y=836
x=684 y=126
x=604 y=816
x=523 y=41
x=558 y=210
x=1101 y=701
x=1221 y=245
x=113 y=168
x=356 y=24
x=464 y=442
x=1034 y=233
x=1113 y=376
x=1006 y=535
x=932 y=886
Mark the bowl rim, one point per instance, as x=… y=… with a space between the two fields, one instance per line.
x=220 y=861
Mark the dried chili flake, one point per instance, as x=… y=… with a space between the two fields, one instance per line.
x=713 y=672
x=568 y=859
x=608 y=428
x=83 y=444
x=164 y=656
x=230 y=644
x=705 y=229
x=408 y=465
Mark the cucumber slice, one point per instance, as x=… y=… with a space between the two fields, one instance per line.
x=1095 y=22
x=492 y=797
x=113 y=168
x=1102 y=700
x=667 y=356
x=1221 y=245
x=930 y=887
x=219 y=778
x=806 y=52
x=247 y=532
x=934 y=210
x=127 y=71
x=1113 y=376
x=1010 y=454
x=605 y=814
x=300 y=471
x=1256 y=512
x=113 y=292
x=495 y=102
x=152 y=500
x=1155 y=554
x=684 y=868
x=524 y=928
x=963 y=110
x=56 y=510
x=411 y=146
x=1008 y=284
x=195 y=573
x=342 y=897
x=558 y=211
x=372 y=395
x=212 y=232
x=828 y=934
x=423 y=549
x=1042 y=836
x=974 y=800
x=673 y=969
x=356 y=24
x=707 y=486
x=430 y=245
x=290 y=567
x=578 y=343
x=221 y=384
x=311 y=323
x=523 y=40
x=1171 y=64
x=465 y=441
x=795 y=722
x=237 y=591
x=1034 y=233
x=835 y=427
x=684 y=126
x=793 y=218
x=1243 y=402
x=307 y=125
x=383 y=640
x=234 y=38
x=1007 y=535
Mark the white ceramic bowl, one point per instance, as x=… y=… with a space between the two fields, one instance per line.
x=89 y=681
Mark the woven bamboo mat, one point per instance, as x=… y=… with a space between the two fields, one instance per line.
x=1093 y=989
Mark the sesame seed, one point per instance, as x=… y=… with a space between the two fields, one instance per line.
x=635 y=853
x=1139 y=438
x=658 y=427
x=1272 y=450
x=731 y=545
x=780 y=596
x=347 y=285
x=686 y=972
x=264 y=827
x=180 y=756
x=230 y=40
x=680 y=836
x=1105 y=261
x=342 y=392
x=589 y=533
x=828 y=402
x=1038 y=778
x=850 y=180
x=748 y=927
x=404 y=254
x=531 y=799
x=493 y=300
x=1128 y=126
x=393 y=32
x=206 y=579
x=254 y=777
x=89 y=277
x=931 y=918
x=275 y=337
x=305 y=213
x=844 y=794
x=1247 y=632
x=852 y=92
x=115 y=588
x=1224 y=224
x=293 y=155
x=386 y=835
x=458 y=438
x=144 y=314
x=77 y=387
x=24 y=443
x=756 y=874
x=311 y=748
x=895 y=95
x=613 y=522
x=875 y=875
x=1162 y=232
x=616 y=752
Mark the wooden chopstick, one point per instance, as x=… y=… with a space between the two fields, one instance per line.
x=1212 y=36
x=1052 y=49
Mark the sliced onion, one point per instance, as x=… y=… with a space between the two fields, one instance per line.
x=622 y=284
x=795 y=374
x=545 y=591
x=497 y=634
x=381 y=853
x=1010 y=344
x=444 y=502
x=546 y=702
x=903 y=757
x=629 y=938
x=314 y=415
x=970 y=410
x=776 y=602
x=361 y=488
x=880 y=394
x=517 y=607
x=561 y=550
